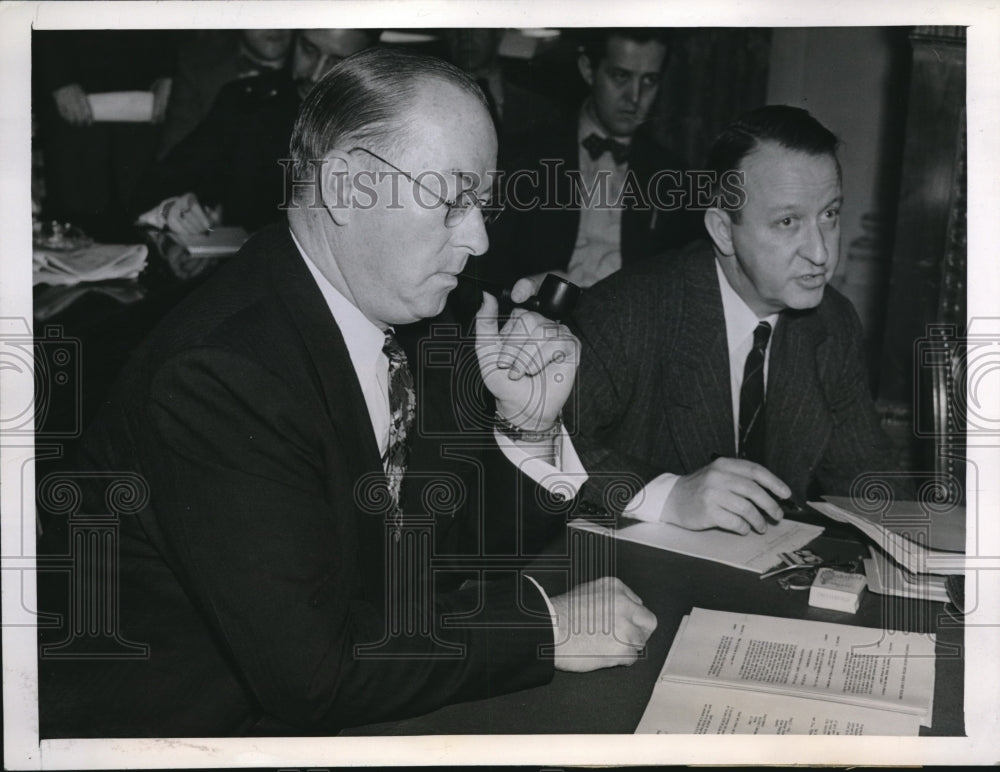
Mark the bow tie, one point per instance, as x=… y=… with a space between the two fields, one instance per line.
x=597 y=146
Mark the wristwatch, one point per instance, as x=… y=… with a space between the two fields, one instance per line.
x=516 y=433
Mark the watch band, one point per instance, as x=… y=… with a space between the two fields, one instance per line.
x=515 y=432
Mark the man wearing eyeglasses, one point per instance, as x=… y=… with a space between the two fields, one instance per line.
x=329 y=540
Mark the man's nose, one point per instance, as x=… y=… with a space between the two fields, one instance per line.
x=815 y=248
x=633 y=90
x=471 y=233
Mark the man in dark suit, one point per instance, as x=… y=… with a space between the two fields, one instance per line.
x=685 y=388
x=207 y=60
x=327 y=541
x=93 y=168
x=596 y=191
x=229 y=169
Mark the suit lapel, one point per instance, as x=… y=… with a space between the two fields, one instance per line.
x=798 y=423
x=337 y=381
x=696 y=370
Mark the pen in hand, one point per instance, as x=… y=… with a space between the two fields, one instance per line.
x=788 y=506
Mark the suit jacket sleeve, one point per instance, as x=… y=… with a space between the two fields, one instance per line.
x=255 y=501
x=857 y=444
x=613 y=330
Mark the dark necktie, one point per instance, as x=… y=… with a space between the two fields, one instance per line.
x=402 y=409
x=752 y=398
x=597 y=146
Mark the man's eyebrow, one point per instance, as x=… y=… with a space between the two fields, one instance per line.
x=795 y=207
x=783 y=208
x=614 y=69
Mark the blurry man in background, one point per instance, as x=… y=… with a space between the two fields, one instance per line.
x=228 y=170
x=581 y=206
x=93 y=168
x=209 y=59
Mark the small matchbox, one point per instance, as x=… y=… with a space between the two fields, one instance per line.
x=837 y=590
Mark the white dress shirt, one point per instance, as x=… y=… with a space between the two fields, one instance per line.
x=364 y=341
x=741 y=321
x=597 y=253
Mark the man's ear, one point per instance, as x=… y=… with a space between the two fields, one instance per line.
x=585 y=68
x=719 y=224
x=336 y=186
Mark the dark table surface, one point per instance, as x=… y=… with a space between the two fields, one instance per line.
x=612 y=701
x=106 y=320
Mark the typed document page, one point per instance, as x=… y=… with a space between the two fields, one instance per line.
x=685 y=708
x=777 y=662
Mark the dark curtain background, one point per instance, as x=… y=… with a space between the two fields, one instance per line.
x=711 y=77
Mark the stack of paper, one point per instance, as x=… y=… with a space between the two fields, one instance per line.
x=921 y=539
x=887 y=577
x=101 y=262
x=755 y=552
x=730 y=673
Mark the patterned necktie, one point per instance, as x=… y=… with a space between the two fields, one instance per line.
x=402 y=410
x=597 y=146
x=752 y=397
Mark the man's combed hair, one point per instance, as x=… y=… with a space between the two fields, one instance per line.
x=364 y=100
x=790 y=127
x=594 y=42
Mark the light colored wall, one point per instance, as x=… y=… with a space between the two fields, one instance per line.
x=854 y=81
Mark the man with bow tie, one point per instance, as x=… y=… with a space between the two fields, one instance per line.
x=581 y=201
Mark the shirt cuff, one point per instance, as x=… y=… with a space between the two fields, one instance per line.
x=545 y=597
x=649 y=504
x=157 y=216
x=564 y=480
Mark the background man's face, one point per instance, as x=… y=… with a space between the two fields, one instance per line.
x=787 y=241
x=268 y=45
x=318 y=50
x=624 y=83
x=405 y=259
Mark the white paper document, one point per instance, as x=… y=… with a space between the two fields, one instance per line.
x=122 y=106
x=680 y=708
x=913 y=556
x=755 y=552
x=935 y=527
x=886 y=577
x=730 y=673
